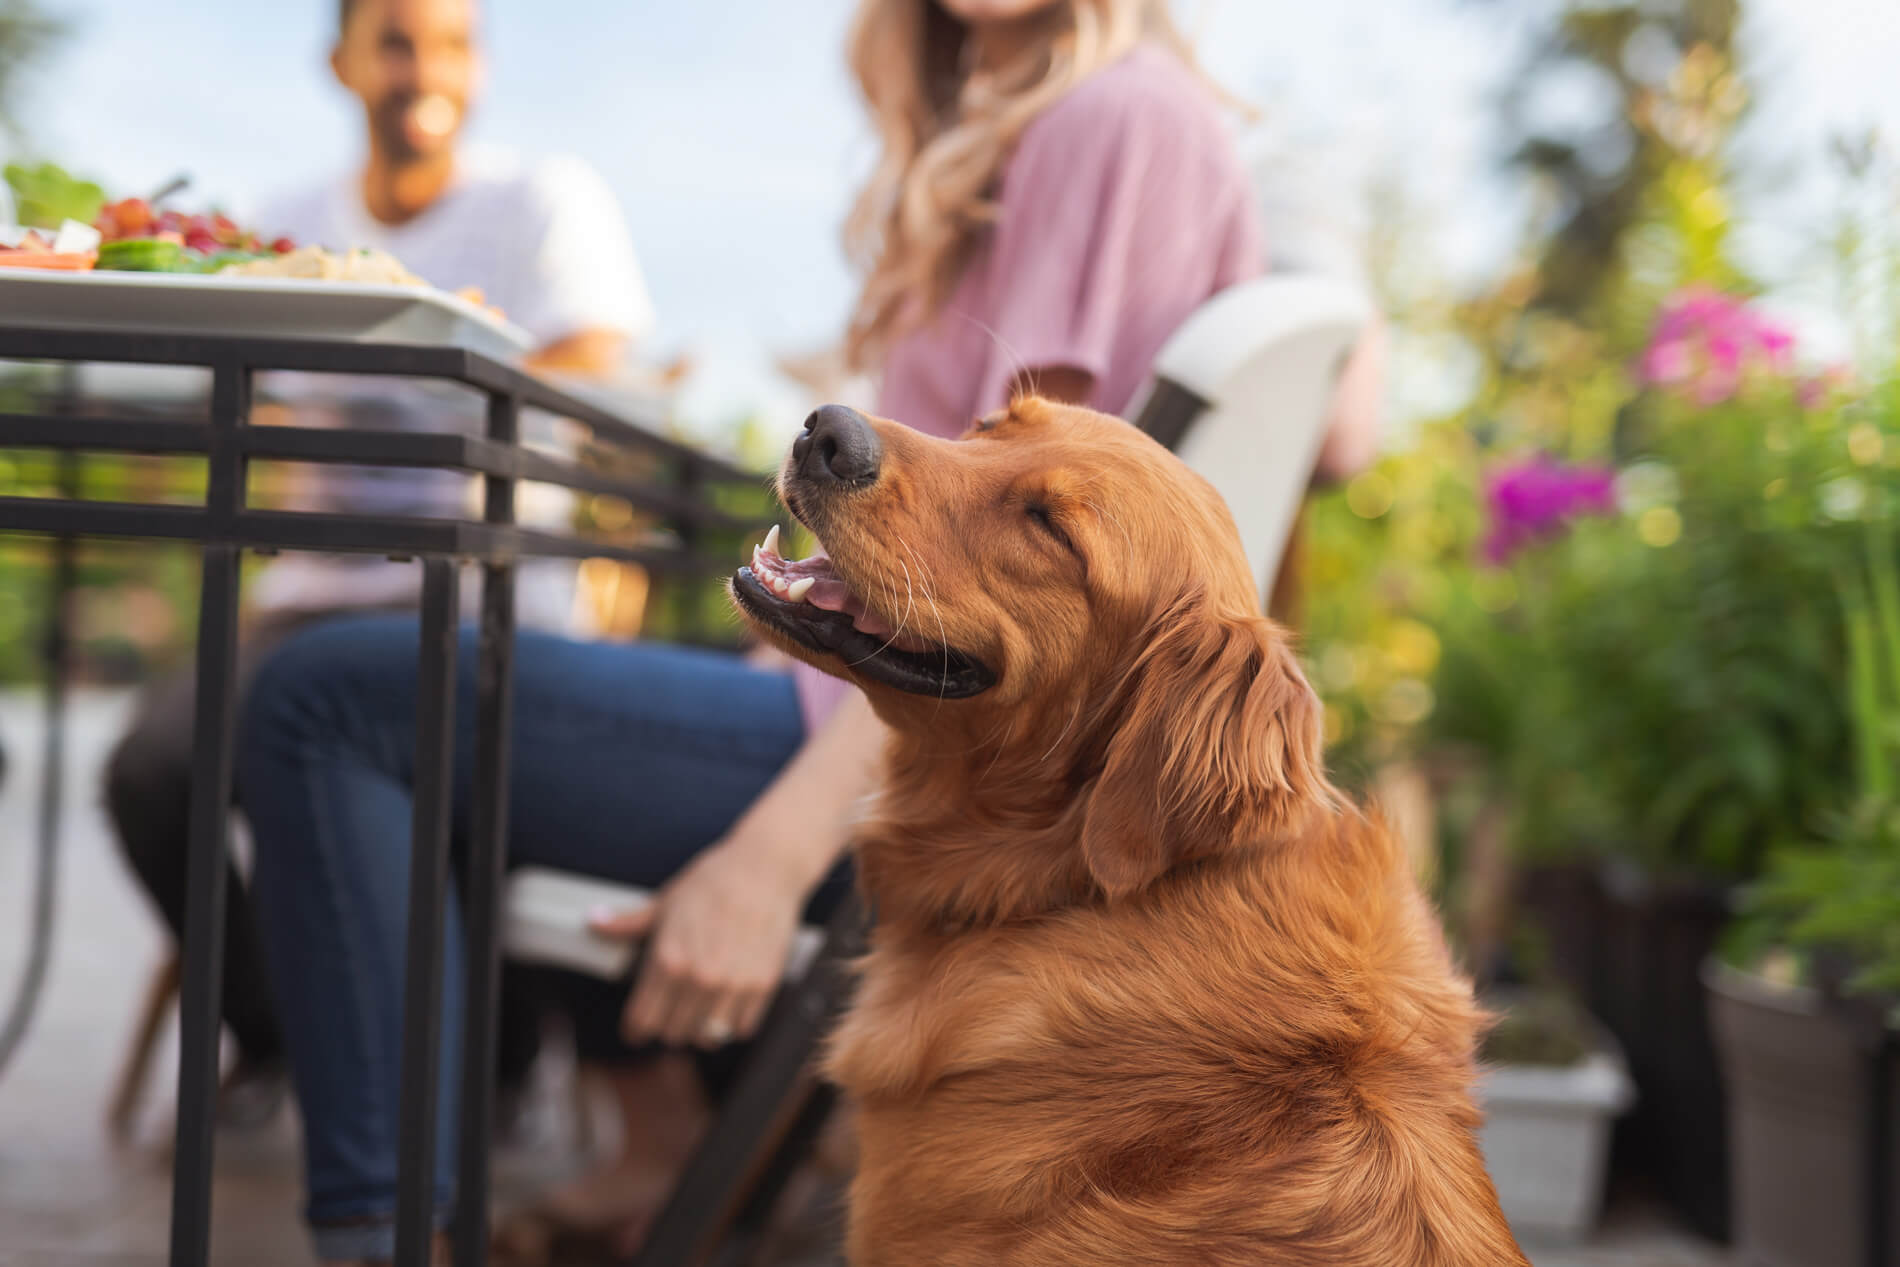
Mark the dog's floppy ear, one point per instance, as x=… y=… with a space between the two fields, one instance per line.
x=1217 y=741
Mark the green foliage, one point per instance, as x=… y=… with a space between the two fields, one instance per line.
x=1392 y=578
x=1686 y=656
x=1664 y=682
x=1838 y=891
x=1547 y=1027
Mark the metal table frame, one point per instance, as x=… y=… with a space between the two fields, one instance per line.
x=225 y=526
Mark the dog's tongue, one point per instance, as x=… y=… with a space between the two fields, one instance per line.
x=834 y=595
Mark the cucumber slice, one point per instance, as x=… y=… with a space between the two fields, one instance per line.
x=142 y=255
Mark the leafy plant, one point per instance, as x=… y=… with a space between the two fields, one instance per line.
x=1839 y=892
x=1542 y=1027
x=1657 y=673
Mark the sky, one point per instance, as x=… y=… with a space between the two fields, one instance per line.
x=733 y=138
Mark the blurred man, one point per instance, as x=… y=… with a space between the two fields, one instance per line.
x=544 y=242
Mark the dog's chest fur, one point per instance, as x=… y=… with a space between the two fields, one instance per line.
x=1175 y=1078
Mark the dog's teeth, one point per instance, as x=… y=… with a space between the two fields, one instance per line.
x=797 y=590
x=771 y=540
x=756 y=565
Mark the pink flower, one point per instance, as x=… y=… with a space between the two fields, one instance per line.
x=1665 y=362
x=1717 y=384
x=1706 y=344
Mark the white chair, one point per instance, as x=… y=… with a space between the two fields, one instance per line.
x=1242 y=392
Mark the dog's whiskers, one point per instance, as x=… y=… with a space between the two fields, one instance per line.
x=943 y=634
x=902 y=621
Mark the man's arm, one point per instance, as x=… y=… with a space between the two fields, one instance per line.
x=586 y=296
x=593 y=353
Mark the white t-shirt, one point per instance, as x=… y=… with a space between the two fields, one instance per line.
x=545 y=242
x=543 y=239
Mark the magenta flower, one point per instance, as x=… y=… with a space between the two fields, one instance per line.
x=1706 y=343
x=1535 y=500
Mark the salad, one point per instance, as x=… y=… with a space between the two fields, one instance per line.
x=59 y=221
x=141 y=238
x=52 y=220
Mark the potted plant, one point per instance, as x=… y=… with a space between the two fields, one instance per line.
x=1806 y=1005
x=1658 y=702
x=1553 y=1082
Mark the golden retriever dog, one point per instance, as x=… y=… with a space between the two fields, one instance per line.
x=1142 y=988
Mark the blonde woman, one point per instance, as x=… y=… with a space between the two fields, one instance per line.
x=1057 y=190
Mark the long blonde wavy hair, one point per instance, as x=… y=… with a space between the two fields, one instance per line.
x=945 y=134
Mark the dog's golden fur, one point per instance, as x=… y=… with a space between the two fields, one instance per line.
x=1143 y=987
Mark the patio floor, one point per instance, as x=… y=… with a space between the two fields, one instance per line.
x=70 y=1196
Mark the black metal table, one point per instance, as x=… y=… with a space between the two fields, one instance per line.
x=679 y=495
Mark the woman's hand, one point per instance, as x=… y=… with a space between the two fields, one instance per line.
x=718 y=936
x=721 y=930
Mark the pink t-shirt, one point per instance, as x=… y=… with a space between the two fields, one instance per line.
x=1123 y=209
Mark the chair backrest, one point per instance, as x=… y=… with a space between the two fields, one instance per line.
x=1242 y=392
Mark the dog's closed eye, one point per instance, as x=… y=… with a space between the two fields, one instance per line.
x=1044 y=517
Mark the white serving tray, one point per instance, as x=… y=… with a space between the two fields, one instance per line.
x=258 y=307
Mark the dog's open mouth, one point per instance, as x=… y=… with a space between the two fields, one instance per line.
x=807 y=601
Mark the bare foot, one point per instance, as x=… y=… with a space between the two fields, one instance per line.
x=610 y=1208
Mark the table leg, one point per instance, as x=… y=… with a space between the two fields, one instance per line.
x=487 y=860
x=203 y=980
x=428 y=887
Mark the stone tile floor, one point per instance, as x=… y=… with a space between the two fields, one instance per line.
x=70 y=1196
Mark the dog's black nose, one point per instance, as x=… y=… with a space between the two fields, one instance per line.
x=838 y=446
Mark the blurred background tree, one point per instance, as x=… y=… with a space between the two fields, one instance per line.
x=1620 y=116
x=1660 y=77
x=27 y=35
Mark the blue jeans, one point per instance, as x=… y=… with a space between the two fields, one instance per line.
x=627 y=760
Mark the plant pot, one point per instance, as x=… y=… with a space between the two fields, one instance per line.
x=1546 y=1141
x=1632 y=948
x=1800 y=1085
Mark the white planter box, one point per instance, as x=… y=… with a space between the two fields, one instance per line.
x=1546 y=1141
